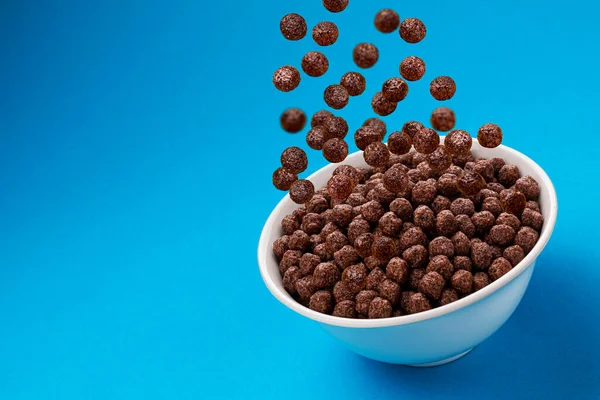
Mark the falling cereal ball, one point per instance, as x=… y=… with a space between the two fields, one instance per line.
x=365 y=55
x=411 y=128
x=399 y=143
x=412 y=30
x=470 y=183
x=489 y=135
x=340 y=186
x=320 y=117
x=443 y=119
x=335 y=6
x=381 y=106
x=387 y=21
x=426 y=141
x=378 y=125
x=335 y=150
x=376 y=154
x=366 y=135
x=325 y=33
x=336 y=96
x=354 y=83
x=293 y=120
x=458 y=142
x=412 y=68
x=302 y=191
x=316 y=137
x=442 y=88
x=294 y=160
x=440 y=159
x=315 y=64
x=337 y=127
x=293 y=27
x=283 y=179
x=286 y=78
x=394 y=89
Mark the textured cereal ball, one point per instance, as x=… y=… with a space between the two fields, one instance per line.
x=312 y=223
x=412 y=30
x=462 y=206
x=325 y=275
x=442 y=88
x=462 y=263
x=426 y=140
x=372 y=211
x=378 y=125
x=399 y=142
x=440 y=203
x=390 y=290
x=396 y=180
x=346 y=256
x=291 y=258
x=335 y=150
x=492 y=205
x=443 y=119
x=363 y=301
x=321 y=301
x=432 y=284
x=336 y=96
x=441 y=265
x=308 y=263
x=510 y=220
x=365 y=55
x=335 y=241
x=357 y=227
x=305 y=287
x=355 y=277
x=481 y=255
x=470 y=183
x=497 y=163
x=415 y=277
x=447 y=185
x=508 y=175
x=514 y=254
x=402 y=208
x=480 y=280
x=337 y=128
x=317 y=204
x=381 y=105
x=286 y=78
x=342 y=215
x=380 y=194
x=365 y=135
x=387 y=21
x=394 y=89
x=325 y=33
x=316 y=137
x=489 y=135
x=289 y=224
x=397 y=270
x=423 y=193
x=441 y=246
x=415 y=256
x=320 y=117
x=412 y=68
x=411 y=128
x=495 y=186
x=293 y=120
x=390 y=224
x=405 y=299
x=501 y=235
x=322 y=251
x=298 y=241
x=383 y=248
x=418 y=303
x=340 y=186
x=376 y=154
x=440 y=159
x=302 y=191
x=534 y=205
x=513 y=202
x=341 y=292
x=413 y=236
x=280 y=246
x=335 y=6
x=499 y=267
x=496 y=251
x=363 y=244
x=354 y=83
x=532 y=219
x=380 y=308
x=283 y=179
x=445 y=223
x=461 y=243
x=345 y=309
x=529 y=187
x=448 y=296
x=294 y=160
x=485 y=169
x=293 y=27
x=427 y=172
x=424 y=218
x=315 y=64
x=465 y=225
x=290 y=278
x=526 y=238
x=483 y=221
x=376 y=276
x=462 y=281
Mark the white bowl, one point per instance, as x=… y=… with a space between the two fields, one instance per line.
x=432 y=337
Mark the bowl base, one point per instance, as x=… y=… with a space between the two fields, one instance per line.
x=441 y=362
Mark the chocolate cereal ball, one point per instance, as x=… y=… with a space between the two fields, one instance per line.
x=470 y=183
x=445 y=223
x=378 y=125
x=480 y=280
x=337 y=127
x=315 y=64
x=321 y=301
x=532 y=219
x=294 y=160
x=293 y=27
x=423 y=193
x=415 y=256
x=381 y=105
x=380 y=308
x=365 y=55
x=501 y=235
x=394 y=89
x=397 y=270
x=325 y=33
x=286 y=78
x=489 y=135
x=376 y=154
x=442 y=88
x=462 y=281
x=412 y=30
x=335 y=6
x=363 y=301
x=340 y=186
x=443 y=119
x=529 y=187
x=302 y=191
x=448 y=296
x=387 y=21
x=508 y=175
x=402 y=208
x=426 y=140
x=418 y=303
x=345 y=309
x=365 y=136
x=336 y=96
x=412 y=68
x=481 y=255
x=293 y=120
x=411 y=128
x=440 y=159
x=432 y=284
x=354 y=83
x=526 y=238
x=514 y=254
x=441 y=246
x=283 y=179
x=316 y=137
x=396 y=180
x=499 y=267
x=320 y=117
x=399 y=142
x=513 y=202
x=335 y=150
x=447 y=185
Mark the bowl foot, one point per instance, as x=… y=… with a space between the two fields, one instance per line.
x=441 y=362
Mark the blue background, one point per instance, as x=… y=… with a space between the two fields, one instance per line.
x=137 y=142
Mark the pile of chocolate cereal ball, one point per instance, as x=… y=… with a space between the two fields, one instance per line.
x=425 y=225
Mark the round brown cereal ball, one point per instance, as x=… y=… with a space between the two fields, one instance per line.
x=394 y=89
x=462 y=206
x=389 y=224
x=514 y=254
x=340 y=186
x=448 y=296
x=321 y=301
x=355 y=277
x=336 y=96
x=480 y=280
x=412 y=68
x=395 y=180
x=337 y=127
x=461 y=243
x=325 y=33
x=363 y=244
x=378 y=125
x=289 y=224
x=321 y=251
x=423 y=193
x=381 y=105
x=335 y=150
x=402 y=208
x=341 y=292
x=441 y=246
x=354 y=83
x=345 y=309
x=485 y=169
x=440 y=159
x=372 y=211
x=320 y=117
x=294 y=160
x=492 y=205
x=415 y=277
x=447 y=184
x=366 y=135
x=526 y=238
x=348 y=170
x=286 y=78
x=499 y=267
x=465 y=225
x=443 y=119
x=298 y=241
x=532 y=219
x=302 y=191
x=470 y=183
x=534 y=205
x=432 y=284
x=312 y=223
x=442 y=88
x=513 y=202
x=496 y=187
x=283 y=179
x=290 y=278
x=462 y=263
x=390 y=290
x=335 y=6
x=501 y=235
x=415 y=256
x=387 y=21
x=481 y=255
x=424 y=218
x=508 y=175
x=399 y=142
x=462 y=281
x=440 y=203
x=489 y=135
x=483 y=221
x=293 y=120
x=308 y=263
x=334 y=240
x=529 y=187
x=426 y=140
x=315 y=64
x=365 y=55
x=418 y=303
x=376 y=154
x=305 y=287
x=280 y=246
x=357 y=227
x=397 y=270
x=325 y=275
x=445 y=223
x=412 y=30
x=380 y=308
x=293 y=26
x=376 y=276
x=441 y=265
x=510 y=220
x=381 y=195
x=411 y=128
x=363 y=301
x=316 y=137
x=383 y=248
x=342 y=215
x=413 y=236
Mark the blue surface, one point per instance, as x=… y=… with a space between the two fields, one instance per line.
x=128 y=233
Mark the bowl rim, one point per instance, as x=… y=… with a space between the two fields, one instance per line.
x=277 y=291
